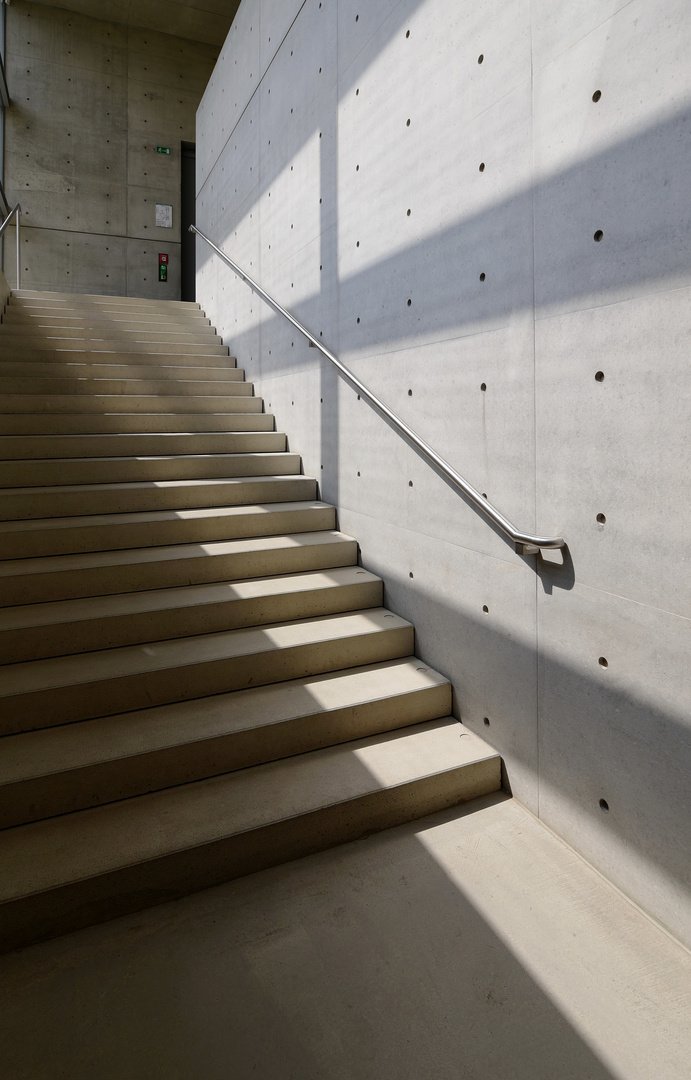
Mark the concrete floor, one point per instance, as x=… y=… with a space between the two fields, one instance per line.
x=472 y=944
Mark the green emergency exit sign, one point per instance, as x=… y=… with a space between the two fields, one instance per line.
x=163 y=150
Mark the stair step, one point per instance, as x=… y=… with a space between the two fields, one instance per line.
x=163 y=495
x=126 y=423
x=49 y=335
x=41 y=630
x=25 y=347
x=39 y=447
x=108 y=324
x=84 y=385
x=133 y=403
x=59 y=770
x=23 y=310
x=91 y=301
x=56 y=370
x=93 y=865
x=46 y=693
x=22 y=357
x=16 y=319
x=99 y=573
x=23 y=475
x=111 y=532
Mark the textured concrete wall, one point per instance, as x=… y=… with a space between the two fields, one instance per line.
x=90 y=102
x=483 y=208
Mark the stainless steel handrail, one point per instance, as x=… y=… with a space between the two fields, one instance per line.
x=526 y=544
x=16 y=209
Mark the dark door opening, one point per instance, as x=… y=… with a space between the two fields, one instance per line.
x=187 y=218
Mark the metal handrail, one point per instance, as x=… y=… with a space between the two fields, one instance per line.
x=16 y=209
x=526 y=544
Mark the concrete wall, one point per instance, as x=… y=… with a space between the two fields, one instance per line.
x=90 y=101
x=422 y=182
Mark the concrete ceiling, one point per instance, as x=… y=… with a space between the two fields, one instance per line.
x=194 y=20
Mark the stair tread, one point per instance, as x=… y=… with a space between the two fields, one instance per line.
x=147 y=423
x=163 y=444
x=143 y=485
x=104 y=327
x=18 y=315
x=116 y=605
x=71 y=627
x=96 y=298
x=32 y=676
x=163 y=494
x=148 y=467
x=31 y=354
x=89 y=843
x=69 y=385
x=144 y=458
x=105 y=347
x=105 y=520
x=80 y=562
x=133 y=403
x=83 y=369
x=112 y=738
x=62 y=489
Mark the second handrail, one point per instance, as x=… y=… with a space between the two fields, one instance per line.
x=526 y=544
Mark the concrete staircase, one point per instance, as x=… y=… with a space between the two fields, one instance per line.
x=198 y=680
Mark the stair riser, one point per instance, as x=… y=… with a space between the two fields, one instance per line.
x=65 y=704
x=134 y=888
x=96 y=784
x=133 y=403
x=59 y=372
x=64 y=639
x=33 y=448
x=116 y=535
x=27 y=474
x=122 y=500
x=146 y=387
x=48 y=587
x=126 y=423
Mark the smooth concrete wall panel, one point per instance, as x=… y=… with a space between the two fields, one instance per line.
x=67 y=39
x=66 y=261
x=617 y=166
x=619 y=733
x=507 y=169
x=228 y=94
x=275 y=20
x=90 y=101
x=614 y=455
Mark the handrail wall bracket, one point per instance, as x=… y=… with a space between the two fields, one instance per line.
x=525 y=543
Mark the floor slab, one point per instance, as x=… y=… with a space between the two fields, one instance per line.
x=471 y=944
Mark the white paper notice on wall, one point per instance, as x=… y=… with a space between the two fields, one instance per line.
x=164 y=216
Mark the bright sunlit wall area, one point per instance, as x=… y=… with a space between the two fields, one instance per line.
x=483 y=210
